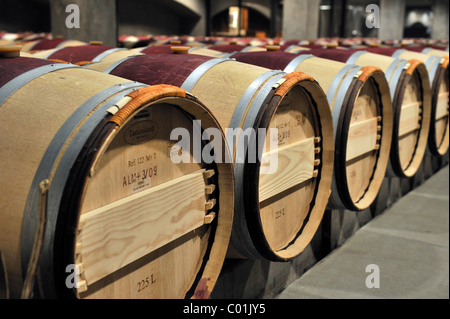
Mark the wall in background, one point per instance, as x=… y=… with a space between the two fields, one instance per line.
x=302 y=18
x=22 y=16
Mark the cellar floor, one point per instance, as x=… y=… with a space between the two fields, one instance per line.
x=401 y=254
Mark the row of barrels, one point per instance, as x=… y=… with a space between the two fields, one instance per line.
x=97 y=187
x=435 y=62
x=95 y=150
x=132 y=41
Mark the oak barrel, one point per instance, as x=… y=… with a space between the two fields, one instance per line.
x=437 y=66
x=155 y=49
x=85 y=54
x=411 y=98
x=430 y=50
x=439 y=51
x=47 y=44
x=229 y=48
x=276 y=213
x=362 y=119
x=99 y=191
x=206 y=51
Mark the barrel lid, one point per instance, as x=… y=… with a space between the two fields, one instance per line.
x=180 y=49
x=96 y=42
x=272 y=47
x=10 y=51
x=175 y=42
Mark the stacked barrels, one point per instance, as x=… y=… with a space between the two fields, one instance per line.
x=362 y=122
x=102 y=192
x=150 y=166
x=411 y=97
x=276 y=213
x=351 y=191
x=99 y=199
x=422 y=59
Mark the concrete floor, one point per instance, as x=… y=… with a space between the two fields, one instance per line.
x=408 y=244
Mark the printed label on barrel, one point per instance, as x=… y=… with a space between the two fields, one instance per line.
x=141 y=171
x=141 y=132
x=284 y=132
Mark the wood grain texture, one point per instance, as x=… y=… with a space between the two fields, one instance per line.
x=361 y=168
x=409 y=118
x=442 y=105
x=323 y=70
x=362 y=138
x=378 y=60
x=121 y=232
x=408 y=55
x=173 y=268
x=222 y=87
x=285 y=196
x=295 y=166
x=411 y=126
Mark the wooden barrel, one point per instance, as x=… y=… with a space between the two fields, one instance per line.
x=206 y=51
x=47 y=44
x=362 y=119
x=435 y=51
x=437 y=66
x=171 y=48
x=229 y=48
x=6 y=42
x=85 y=54
x=276 y=212
x=253 y=48
x=99 y=191
x=155 y=49
x=430 y=50
x=411 y=98
x=294 y=48
x=439 y=130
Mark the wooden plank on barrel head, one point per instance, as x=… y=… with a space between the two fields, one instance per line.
x=119 y=233
x=442 y=105
x=295 y=166
x=409 y=118
x=362 y=138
